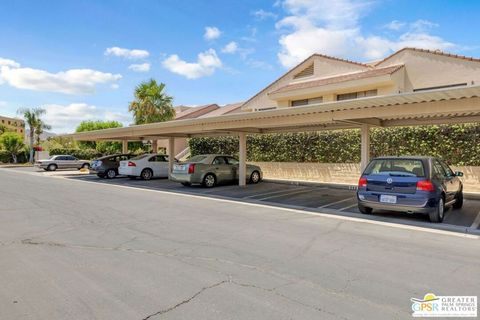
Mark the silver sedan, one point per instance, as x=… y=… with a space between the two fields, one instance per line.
x=212 y=169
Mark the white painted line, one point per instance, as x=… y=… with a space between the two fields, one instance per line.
x=285 y=194
x=336 y=202
x=348 y=207
x=476 y=222
x=269 y=193
x=266 y=206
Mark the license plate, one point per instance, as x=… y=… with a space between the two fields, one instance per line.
x=388 y=199
x=179 y=167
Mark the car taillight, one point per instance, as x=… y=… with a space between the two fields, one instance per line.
x=191 y=168
x=131 y=164
x=425 y=185
x=362 y=182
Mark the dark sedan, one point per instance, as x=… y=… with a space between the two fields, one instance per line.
x=107 y=166
x=424 y=185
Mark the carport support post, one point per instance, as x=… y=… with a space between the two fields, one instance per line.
x=365 y=149
x=242 y=157
x=171 y=154
x=125 y=146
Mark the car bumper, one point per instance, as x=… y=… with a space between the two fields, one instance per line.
x=184 y=178
x=40 y=166
x=128 y=171
x=405 y=203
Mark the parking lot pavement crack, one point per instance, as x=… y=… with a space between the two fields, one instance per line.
x=164 y=311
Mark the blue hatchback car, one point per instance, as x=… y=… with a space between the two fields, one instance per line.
x=424 y=185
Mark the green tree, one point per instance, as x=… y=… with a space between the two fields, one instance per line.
x=151 y=103
x=33 y=119
x=101 y=146
x=13 y=143
x=39 y=129
x=3 y=129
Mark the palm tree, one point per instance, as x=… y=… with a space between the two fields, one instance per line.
x=151 y=103
x=40 y=127
x=32 y=118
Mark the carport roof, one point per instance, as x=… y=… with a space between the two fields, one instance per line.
x=453 y=105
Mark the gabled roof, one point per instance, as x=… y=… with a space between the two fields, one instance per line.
x=227 y=109
x=295 y=69
x=337 y=79
x=195 y=112
x=437 y=52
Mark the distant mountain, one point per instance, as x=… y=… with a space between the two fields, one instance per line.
x=44 y=136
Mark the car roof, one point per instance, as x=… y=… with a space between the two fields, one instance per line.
x=114 y=155
x=406 y=157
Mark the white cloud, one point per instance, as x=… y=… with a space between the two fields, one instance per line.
x=127 y=53
x=231 y=47
x=74 y=81
x=333 y=28
x=207 y=63
x=9 y=63
x=3 y=103
x=262 y=14
x=65 y=118
x=142 y=67
x=212 y=33
x=395 y=25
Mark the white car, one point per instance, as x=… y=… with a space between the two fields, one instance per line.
x=145 y=166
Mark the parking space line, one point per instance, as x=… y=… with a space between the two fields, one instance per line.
x=285 y=194
x=336 y=202
x=268 y=193
x=476 y=222
x=348 y=207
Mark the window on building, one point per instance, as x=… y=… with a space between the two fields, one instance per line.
x=305 y=102
x=356 y=95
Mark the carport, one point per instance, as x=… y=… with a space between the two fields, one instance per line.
x=441 y=106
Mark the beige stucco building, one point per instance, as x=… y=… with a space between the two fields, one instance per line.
x=321 y=78
x=13 y=124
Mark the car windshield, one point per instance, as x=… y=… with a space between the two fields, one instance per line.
x=142 y=156
x=197 y=158
x=396 y=167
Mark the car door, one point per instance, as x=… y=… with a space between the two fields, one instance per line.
x=154 y=164
x=223 y=170
x=163 y=165
x=452 y=181
x=441 y=176
x=61 y=162
x=234 y=163
x=71 y=162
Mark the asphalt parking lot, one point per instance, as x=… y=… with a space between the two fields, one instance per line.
x=325 y=199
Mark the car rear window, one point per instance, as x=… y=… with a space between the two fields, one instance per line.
x=396 y=167
x=142 y=156
x=197 y=158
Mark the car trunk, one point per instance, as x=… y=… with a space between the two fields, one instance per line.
x=396 y=184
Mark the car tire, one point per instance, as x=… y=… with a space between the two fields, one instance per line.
x=438 y=213
x=186 y=184
x=52 y=167
x=209 y=181
x=364 y=210
x=255 y=177
x=110 y=174
x=85 y=166
x=146 y=174
x=458 y=200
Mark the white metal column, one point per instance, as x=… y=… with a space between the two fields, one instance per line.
x=171 y=154
x=365 y=149
x=242 y=170
x=125 y=146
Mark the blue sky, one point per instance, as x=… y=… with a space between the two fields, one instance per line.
x=82 y=59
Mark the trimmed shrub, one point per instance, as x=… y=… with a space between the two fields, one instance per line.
x=458 y=144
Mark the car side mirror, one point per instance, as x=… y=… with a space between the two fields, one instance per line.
x=459 y=173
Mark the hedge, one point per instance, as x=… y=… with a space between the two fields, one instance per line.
x=6 y=157
x=458 y=144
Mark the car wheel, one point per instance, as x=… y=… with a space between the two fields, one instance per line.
x=52 y=167
x=111 y=174
x=209 y=181
x=85 y=166
x=146 y=174
x=458 y=200
x=364 y=210
x=439 y=212
x=186 y=184
x=255 y=177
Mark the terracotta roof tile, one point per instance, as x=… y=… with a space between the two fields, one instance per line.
x=438 y=52
x=196 y=112
x=342 y=78
x=227 y=109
